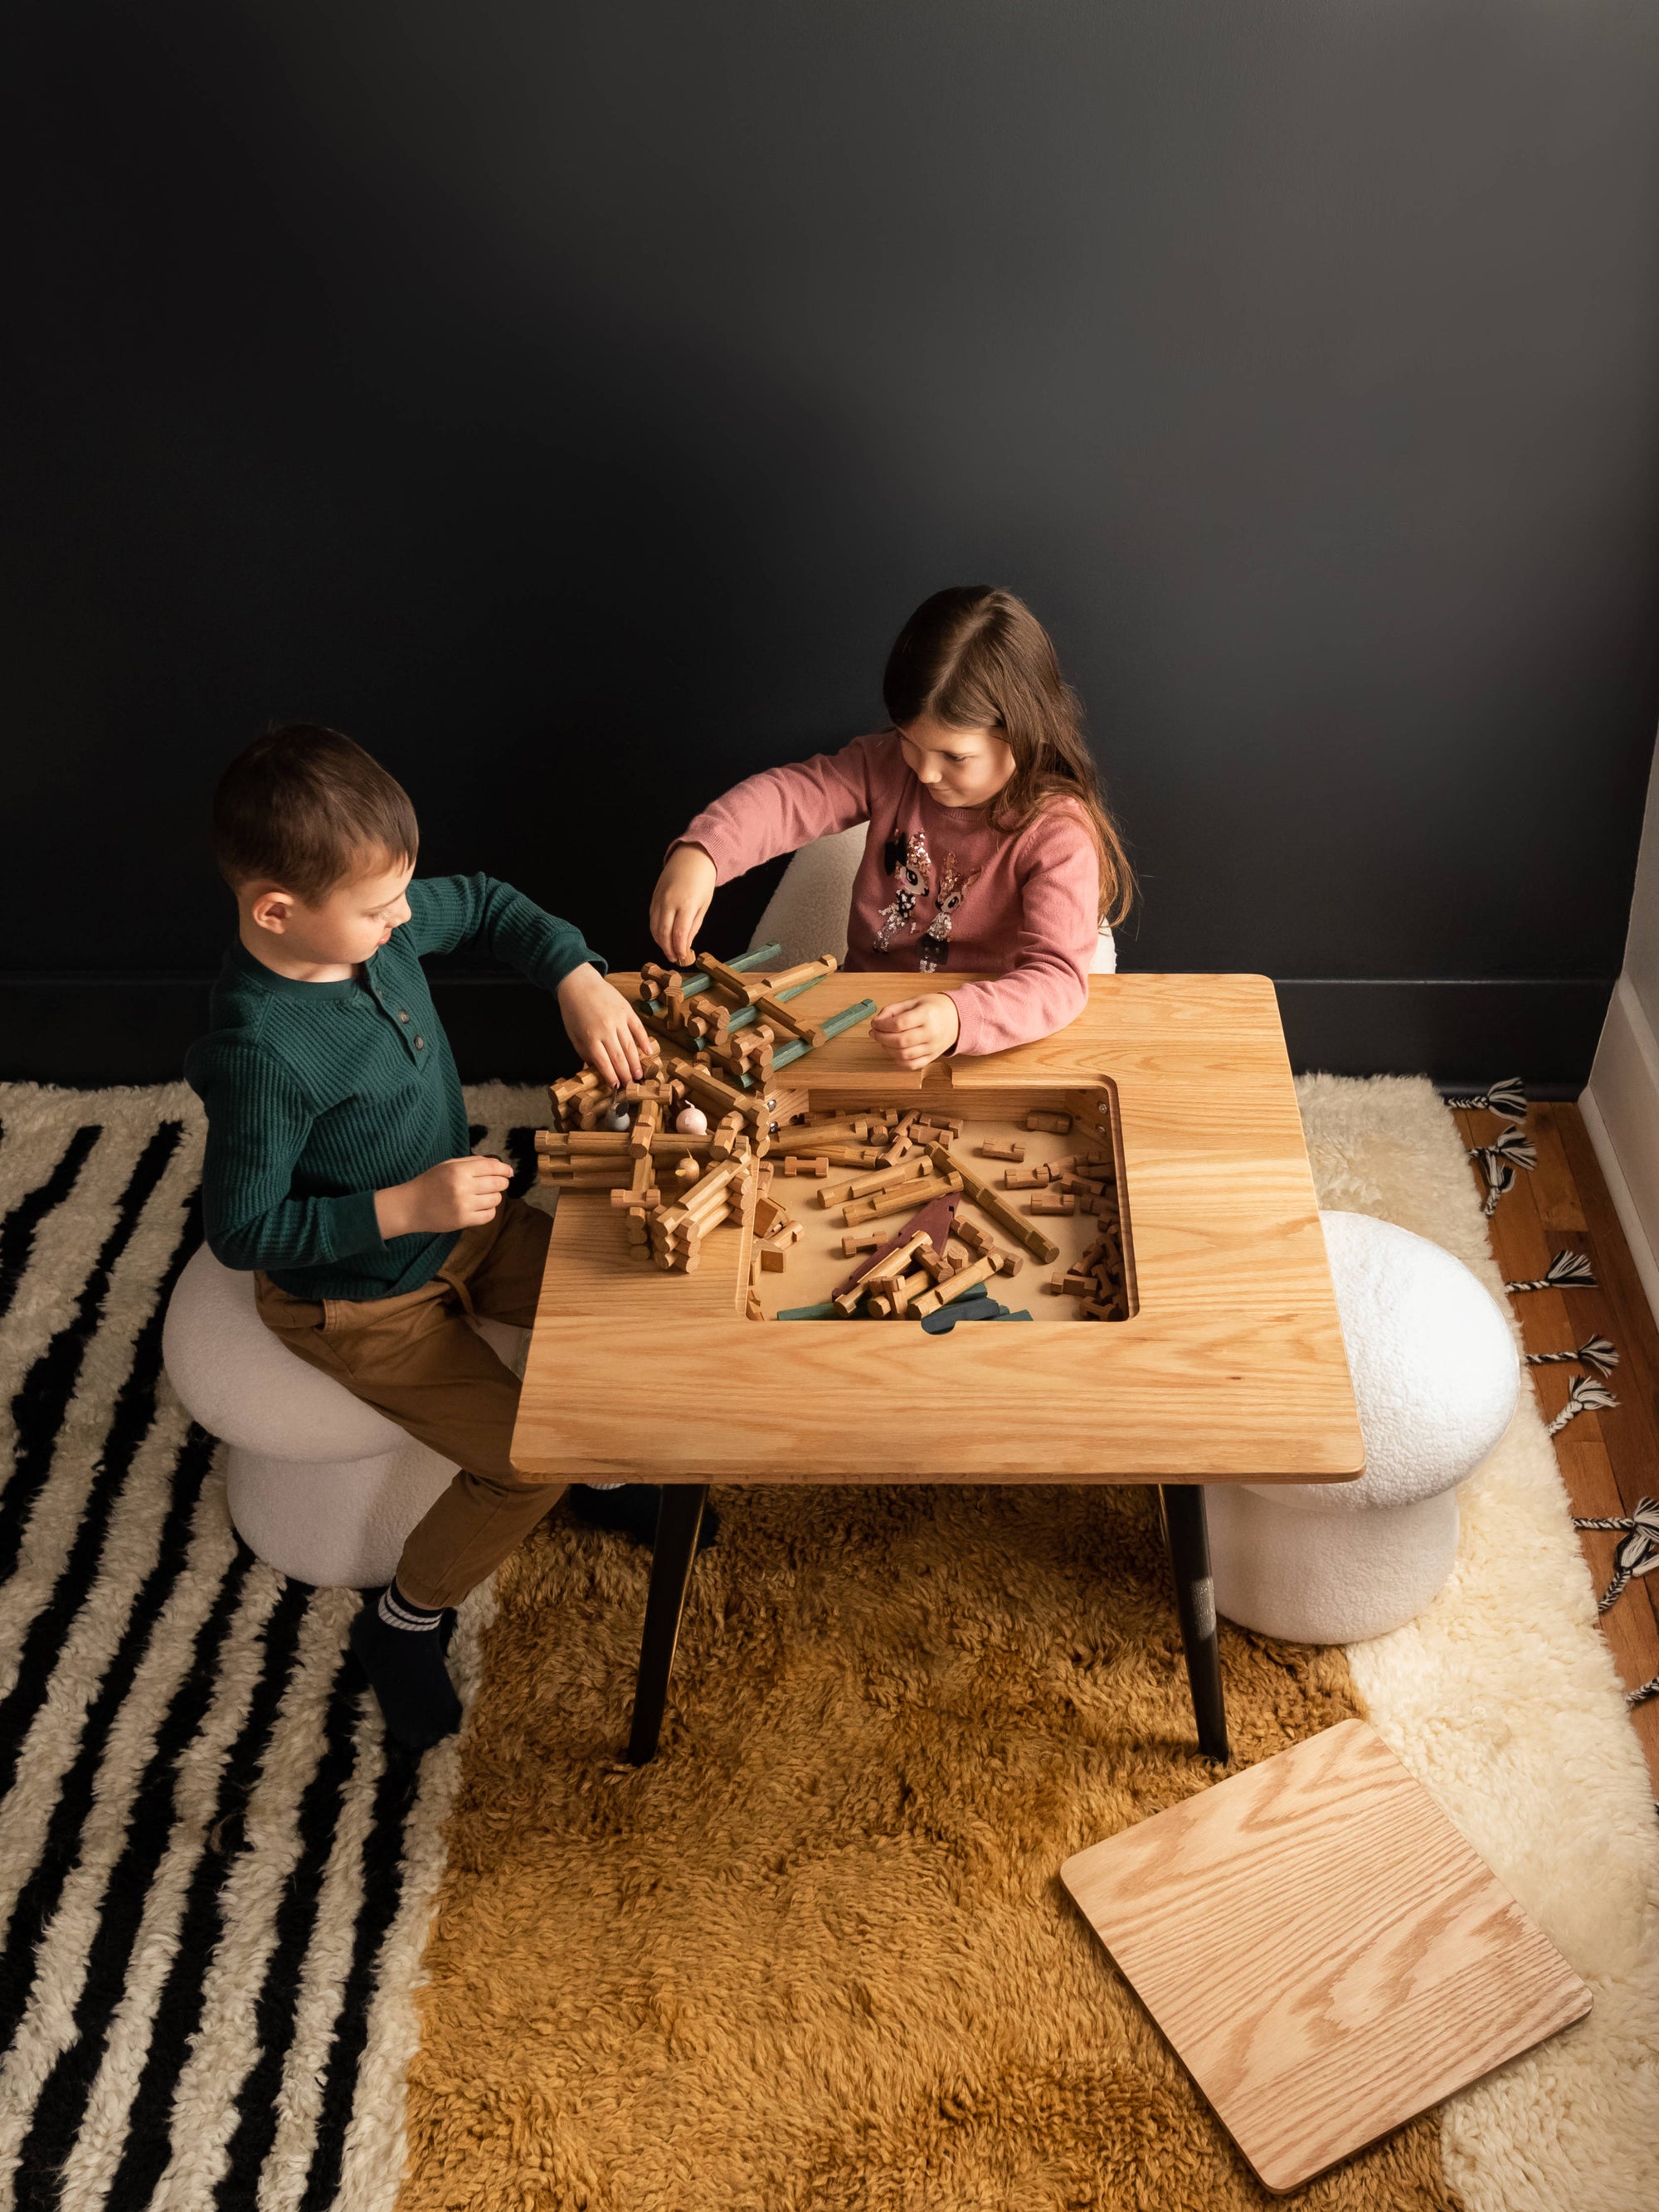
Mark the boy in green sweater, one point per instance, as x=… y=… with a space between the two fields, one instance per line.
x=337 y=1164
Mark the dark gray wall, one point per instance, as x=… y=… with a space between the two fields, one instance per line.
x=570 y=401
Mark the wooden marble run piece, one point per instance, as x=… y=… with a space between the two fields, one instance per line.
x=995 y=1209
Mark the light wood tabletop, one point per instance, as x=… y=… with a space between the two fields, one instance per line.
x=1231 y=1366
x=1327 y=1954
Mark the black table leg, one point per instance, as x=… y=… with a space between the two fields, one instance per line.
x=1187 y=1535
x=679 y=1517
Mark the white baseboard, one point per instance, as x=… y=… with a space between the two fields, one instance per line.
x=1621 y=1116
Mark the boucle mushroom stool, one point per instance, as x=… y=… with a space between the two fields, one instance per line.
x=320 y=1485
x=1436 y=1378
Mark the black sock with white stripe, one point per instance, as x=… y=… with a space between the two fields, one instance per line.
x=399 y=1647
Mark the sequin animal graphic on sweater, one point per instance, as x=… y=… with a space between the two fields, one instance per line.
x=935 y=947
x=910 y=868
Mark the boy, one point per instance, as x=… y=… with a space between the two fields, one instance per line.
x=337 y=1166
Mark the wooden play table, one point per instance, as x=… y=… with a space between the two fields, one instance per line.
x=1229 y=1366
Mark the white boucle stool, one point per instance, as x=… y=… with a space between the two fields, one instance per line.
x=320 y=1485
x=1436 y=1378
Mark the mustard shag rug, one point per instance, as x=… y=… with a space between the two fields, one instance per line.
x=817 y=1954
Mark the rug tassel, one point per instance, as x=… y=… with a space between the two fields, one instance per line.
x=1505 y=1097
x=1643 y=1691
x=1566 y=1271
x=1498 y=1160
x=1594 y=1351
x=1639 y=1554
x=1499 y=1176
x=1587 y=1396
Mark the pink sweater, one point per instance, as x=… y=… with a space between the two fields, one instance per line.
x=937 y=888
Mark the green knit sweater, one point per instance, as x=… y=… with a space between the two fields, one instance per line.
x=317 y=1095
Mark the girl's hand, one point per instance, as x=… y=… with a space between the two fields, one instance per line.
x=602 y=1025
x=680 y=902
x=917 y=1032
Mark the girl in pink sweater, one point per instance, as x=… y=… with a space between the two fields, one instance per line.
x=991 y=848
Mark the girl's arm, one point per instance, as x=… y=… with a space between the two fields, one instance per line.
x=777 y=811
x=1046 y=983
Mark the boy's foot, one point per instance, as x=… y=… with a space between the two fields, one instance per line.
x=401 y=1649
x=630 y=1509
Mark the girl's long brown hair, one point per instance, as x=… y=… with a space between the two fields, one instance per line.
x=976 y=658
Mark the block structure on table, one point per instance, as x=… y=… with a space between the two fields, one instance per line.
x=1230 y=1367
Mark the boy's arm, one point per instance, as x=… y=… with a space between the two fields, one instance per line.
x=447 y=914
x=258 y=1124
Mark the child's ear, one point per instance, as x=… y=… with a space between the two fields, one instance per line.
x=272 y=910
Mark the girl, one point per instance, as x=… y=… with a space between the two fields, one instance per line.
x=991 y=849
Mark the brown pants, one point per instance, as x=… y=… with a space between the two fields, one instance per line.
x=416 y=1359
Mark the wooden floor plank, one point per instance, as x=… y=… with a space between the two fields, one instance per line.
x=1610 y=1460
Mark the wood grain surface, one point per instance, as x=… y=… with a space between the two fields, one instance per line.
x=1231 y=1368
x=1324 y=1951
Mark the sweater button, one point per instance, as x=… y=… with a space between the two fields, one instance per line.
x=420 y=1044
x=402 y=1013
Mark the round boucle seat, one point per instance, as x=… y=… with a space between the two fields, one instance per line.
x=1436 y=1379
x=320 y=1485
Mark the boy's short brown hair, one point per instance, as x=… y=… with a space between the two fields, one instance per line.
x=303 y=806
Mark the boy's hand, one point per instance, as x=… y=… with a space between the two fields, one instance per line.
x=915 y=1032
x=455 y=1195
x=681 y=900
x=602 y=1025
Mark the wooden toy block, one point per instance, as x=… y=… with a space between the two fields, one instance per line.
x=769 y=1214
x=933 y=1219
x=937 y=1264
x=994 y=1149
x=996 y=1209
x=643 y=1198
x=1052 y=1201
x=977 y=1240
x=773 y=1258
x=856 y=1242
x=753 y=1310
x=872 y=1186
x=1024 y=1178
x=646 y=1119
x=1009 y=1263
x=805 y=972
x=1057 y=1124
x=916 y=1192
x=1095 y=1309
x=814 y=1138
x=803 y=1164
x=952 y=1288
x=786 y=1022
x=897 y=1261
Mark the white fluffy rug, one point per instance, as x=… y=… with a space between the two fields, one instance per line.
x=1503 y=1700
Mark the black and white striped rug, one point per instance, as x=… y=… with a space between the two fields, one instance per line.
x=214 y=1881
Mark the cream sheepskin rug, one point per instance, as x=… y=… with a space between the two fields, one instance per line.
x=1503 y=1700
